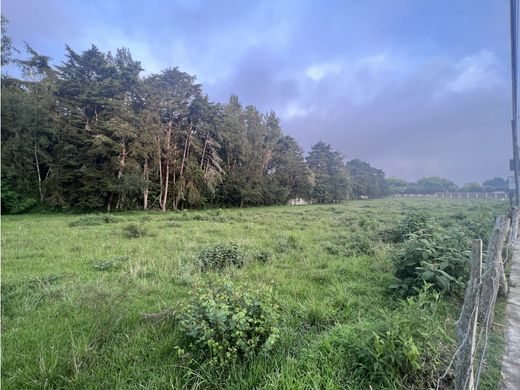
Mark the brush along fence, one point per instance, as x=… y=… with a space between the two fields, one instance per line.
x=487 y=281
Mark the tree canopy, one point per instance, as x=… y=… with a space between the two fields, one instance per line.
x=94 y=133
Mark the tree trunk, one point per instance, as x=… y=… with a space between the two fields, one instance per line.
x=39 y=173
x=109 y=201
x=204 y=150
x=166 y=177
x=146 y=178
x=159 y=162
x=186 y=150
x=122 y=157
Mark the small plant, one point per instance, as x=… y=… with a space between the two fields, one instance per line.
x=106 y=265
x=220 y=256
x=111 y=263
x=287 y=243
x=224 y=323
x=134 y=231
x=261 y=255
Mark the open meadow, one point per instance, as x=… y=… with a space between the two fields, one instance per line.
x=100 y=300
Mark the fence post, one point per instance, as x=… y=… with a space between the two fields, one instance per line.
x=494 y=276
x=467 y=323
x=513 y=234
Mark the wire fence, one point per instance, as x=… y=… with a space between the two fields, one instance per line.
x=487 y=282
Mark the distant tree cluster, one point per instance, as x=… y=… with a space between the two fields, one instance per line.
x=94 y=134
x=430 y=185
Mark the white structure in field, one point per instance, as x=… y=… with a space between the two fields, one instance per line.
x=297 y=201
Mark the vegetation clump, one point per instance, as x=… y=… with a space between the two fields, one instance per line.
x=94 y=220
x=223 y=323
x=220 y=256
x=432 y=254
x=287 y=243
x=134 y=231
x=405 y=347
x=412 y=223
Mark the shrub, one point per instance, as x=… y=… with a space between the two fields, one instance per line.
x=412 y=223
x=94 y=220
x=224 y=323
x=134 y=231
x=435 y=255
x=220 y=256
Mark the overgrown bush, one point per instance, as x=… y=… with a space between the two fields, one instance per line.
x=94 y=220
x=134 y=231
x=413 y=222
x=224 y=323
x=219 y=256
x=433 y=255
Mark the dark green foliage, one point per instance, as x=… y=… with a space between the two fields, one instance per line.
x=224 y=323
x=134 y=231
x=432 y=255
x=220 y=256
x=14 y=202
x=366 y=180
x=330 y=174
x=412 y=223
x=95 y=220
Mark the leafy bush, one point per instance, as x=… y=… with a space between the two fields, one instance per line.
x=134 y=231
x=434 y=255
x=94 y=220
x=224 y=323
x=220 y=256
x=413 y=222
x=14 y=202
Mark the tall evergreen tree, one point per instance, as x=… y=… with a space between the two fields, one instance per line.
x=332 y=182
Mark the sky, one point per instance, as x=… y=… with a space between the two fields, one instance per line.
x=415 y=87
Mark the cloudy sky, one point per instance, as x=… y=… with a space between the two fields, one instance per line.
x=414 y=87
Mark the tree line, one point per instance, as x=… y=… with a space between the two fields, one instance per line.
x=432 y=184
x=95 y=134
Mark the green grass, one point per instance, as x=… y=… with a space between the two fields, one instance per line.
x=75 y=291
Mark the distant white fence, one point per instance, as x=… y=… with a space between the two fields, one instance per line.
x=457 y=195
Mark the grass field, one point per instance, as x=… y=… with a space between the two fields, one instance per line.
x=77 y=300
